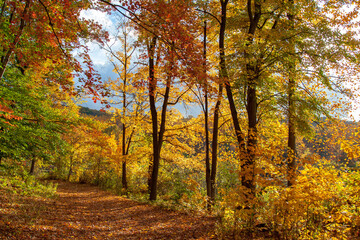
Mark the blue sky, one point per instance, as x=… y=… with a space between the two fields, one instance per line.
x=102 y=63
x=104 y=66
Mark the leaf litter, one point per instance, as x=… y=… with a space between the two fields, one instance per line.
x=84 y=211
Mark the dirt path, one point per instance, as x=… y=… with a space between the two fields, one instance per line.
x=85 y=212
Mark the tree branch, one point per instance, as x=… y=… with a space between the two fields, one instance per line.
x=212 y=15
x=53 y=30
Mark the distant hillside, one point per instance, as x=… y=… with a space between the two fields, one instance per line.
x=100 y=115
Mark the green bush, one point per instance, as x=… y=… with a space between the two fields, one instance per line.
x=17 y=181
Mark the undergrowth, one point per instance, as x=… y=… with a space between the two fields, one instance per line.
x=15 y=180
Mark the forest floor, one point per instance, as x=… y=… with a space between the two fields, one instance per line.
x=82 y=211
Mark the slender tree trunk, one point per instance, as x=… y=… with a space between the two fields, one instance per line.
x=249 y=164
x=152 y=89
x=291 y=106
x=222 y=76
x=150 y=169
x=1 y=156
x=70 y=167
x=214 y=148
x=32 y=167
x=207 y=147
x=206 y=113
x=238 y=132
x=158 y=137
x=156 y=162
x=252 y=75
x=291 y=142
x=225 y=78
x=123 y=178
x=207 y=151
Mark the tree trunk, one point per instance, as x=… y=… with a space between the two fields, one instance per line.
x=215 y=147
x=222 y=76
x=291 y=145
x=249 y=163
x=206 y=123
x=124 y=153
x=158 y=137
x=291 y=106
x=150 y=169
x=123 y=178
x=152 y=89
x=252 y=75
x=70 y=168
x=156 y=162
x=32 y=167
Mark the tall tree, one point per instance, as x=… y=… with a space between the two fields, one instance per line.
x=157 y=136
x=121 y=60
x=32 y=117
x=206 y=119
x=33 y=32
x=222 y=77
x=291 y=100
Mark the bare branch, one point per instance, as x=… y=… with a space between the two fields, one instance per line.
x=53 y=30
x=178 y=98
x=212 y=15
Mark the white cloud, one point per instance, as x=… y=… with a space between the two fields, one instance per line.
x=109 y=23
x=98 y=16
x=98 y=55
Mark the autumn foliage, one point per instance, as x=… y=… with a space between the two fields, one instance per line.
x=239 y=109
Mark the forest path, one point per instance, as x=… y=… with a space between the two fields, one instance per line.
x=83 y=211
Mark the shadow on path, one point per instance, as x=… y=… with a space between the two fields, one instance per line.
x=85 y=212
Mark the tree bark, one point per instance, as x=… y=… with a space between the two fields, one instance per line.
x=32 y=167
x=70 y=167
x=291 y=105
x=156 y=162
x=206 y=116
x=154 y=120
x=249 y=163
x=215 y=146
x=252 y=75
x=222 y=76
x=158 y=136
x=2 y=155
x=123 y=177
